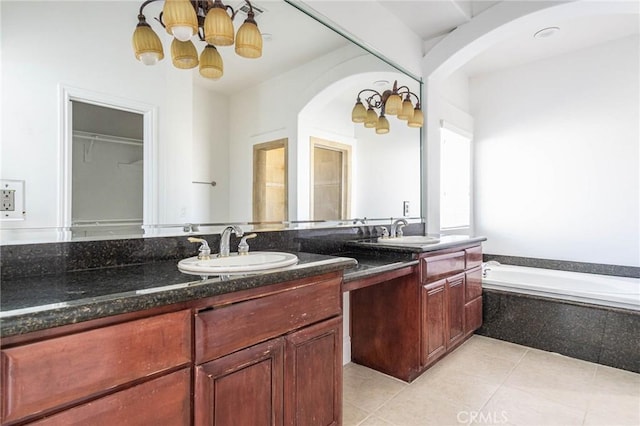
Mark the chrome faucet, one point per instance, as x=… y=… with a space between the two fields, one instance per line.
x=396 y=227
x=224 y=239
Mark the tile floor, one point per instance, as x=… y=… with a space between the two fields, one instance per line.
x=492 y=382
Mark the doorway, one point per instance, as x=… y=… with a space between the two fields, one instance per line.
x=330 y=180
x=270 y=193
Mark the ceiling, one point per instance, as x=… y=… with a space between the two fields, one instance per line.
x=431 y=19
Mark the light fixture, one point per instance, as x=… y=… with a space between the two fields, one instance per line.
x=212 y=21
x=389 y=102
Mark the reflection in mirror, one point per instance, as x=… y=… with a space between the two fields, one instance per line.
x=198 y=130
x=106 y=167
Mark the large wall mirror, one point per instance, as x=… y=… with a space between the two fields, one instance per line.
x=271 y=141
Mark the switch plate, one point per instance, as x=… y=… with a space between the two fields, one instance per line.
x=405 y=208
x=12 y=199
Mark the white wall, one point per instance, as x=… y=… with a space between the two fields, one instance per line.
x=557 y=156
x=447 y=100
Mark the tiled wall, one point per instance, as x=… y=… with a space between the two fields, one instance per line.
x=604 y=335
x=563 y=265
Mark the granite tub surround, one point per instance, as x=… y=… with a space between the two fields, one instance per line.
x=563 y=265
x=36 y=303
x=607 y=336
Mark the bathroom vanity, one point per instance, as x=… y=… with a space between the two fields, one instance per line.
x=146 y=344
x=406 y=320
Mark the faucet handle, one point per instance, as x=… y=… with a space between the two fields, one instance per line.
x=384 y=231
x=204 y=252
x=243 y=247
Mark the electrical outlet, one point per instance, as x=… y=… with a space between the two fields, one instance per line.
x=405 y=208
x=8 y=197
x=12 y=199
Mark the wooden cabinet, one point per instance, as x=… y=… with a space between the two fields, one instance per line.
x=434 y=320
x=290 y=380
x=162 y=401
x=270 y=355
x=473 y=300
x=403 y=325
x=443 y=321
x=51 y=374
x=244 y=388
x=272 y=360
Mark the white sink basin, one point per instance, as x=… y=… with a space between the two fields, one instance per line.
x=235 y=264
x=411 y=240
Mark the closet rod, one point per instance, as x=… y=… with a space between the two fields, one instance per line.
x=97 y=137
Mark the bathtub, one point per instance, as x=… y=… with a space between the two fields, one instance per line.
x=618 y=292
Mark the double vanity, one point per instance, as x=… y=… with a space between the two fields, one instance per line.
x=148 y=344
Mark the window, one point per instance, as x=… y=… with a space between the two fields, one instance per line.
x=455 y=179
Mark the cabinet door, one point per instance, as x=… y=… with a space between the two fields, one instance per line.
x=313 y=375
x=244 y=388
x=473 y=316
x=455 y=310
x=473 y=284
x=434 y=343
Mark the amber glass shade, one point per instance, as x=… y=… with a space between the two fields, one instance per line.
x=418 y=118
x=372 y=119
x=393 y=104
x=183 y=54
x=218 y=27
x=180 y=19
x=146 y=44
x=211 y=63
x=382 y=126
x=249 y=40
x=359 y=113
x=407 y=110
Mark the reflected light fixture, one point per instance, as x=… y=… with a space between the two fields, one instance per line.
x=397 y=101
x=211 y=21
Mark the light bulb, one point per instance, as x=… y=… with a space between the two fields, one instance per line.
x=182 y=32
x=149 y=58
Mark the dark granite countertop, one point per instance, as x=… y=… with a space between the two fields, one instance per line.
x=36 y=303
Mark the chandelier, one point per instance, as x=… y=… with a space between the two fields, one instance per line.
x=211 y=21
x=389 y=102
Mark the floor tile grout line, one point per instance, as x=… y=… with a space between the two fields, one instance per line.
x=505 y=379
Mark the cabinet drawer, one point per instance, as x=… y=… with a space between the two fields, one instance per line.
x=229 y=328
x=473 y=257
x=43 y=375
x=441 y=266
x=162 y=401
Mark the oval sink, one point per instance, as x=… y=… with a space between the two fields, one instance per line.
x=235 y=264
x=413 y=240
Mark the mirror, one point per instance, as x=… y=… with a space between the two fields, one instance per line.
x=195 y=130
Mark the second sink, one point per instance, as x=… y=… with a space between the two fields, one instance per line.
x=413 y=240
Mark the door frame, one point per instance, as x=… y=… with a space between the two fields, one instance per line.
x=67 y=94
x=267 y=146
x=347 y=159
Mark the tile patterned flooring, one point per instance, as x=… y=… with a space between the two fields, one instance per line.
x=489 y=381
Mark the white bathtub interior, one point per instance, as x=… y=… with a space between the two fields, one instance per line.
x=620 y=292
